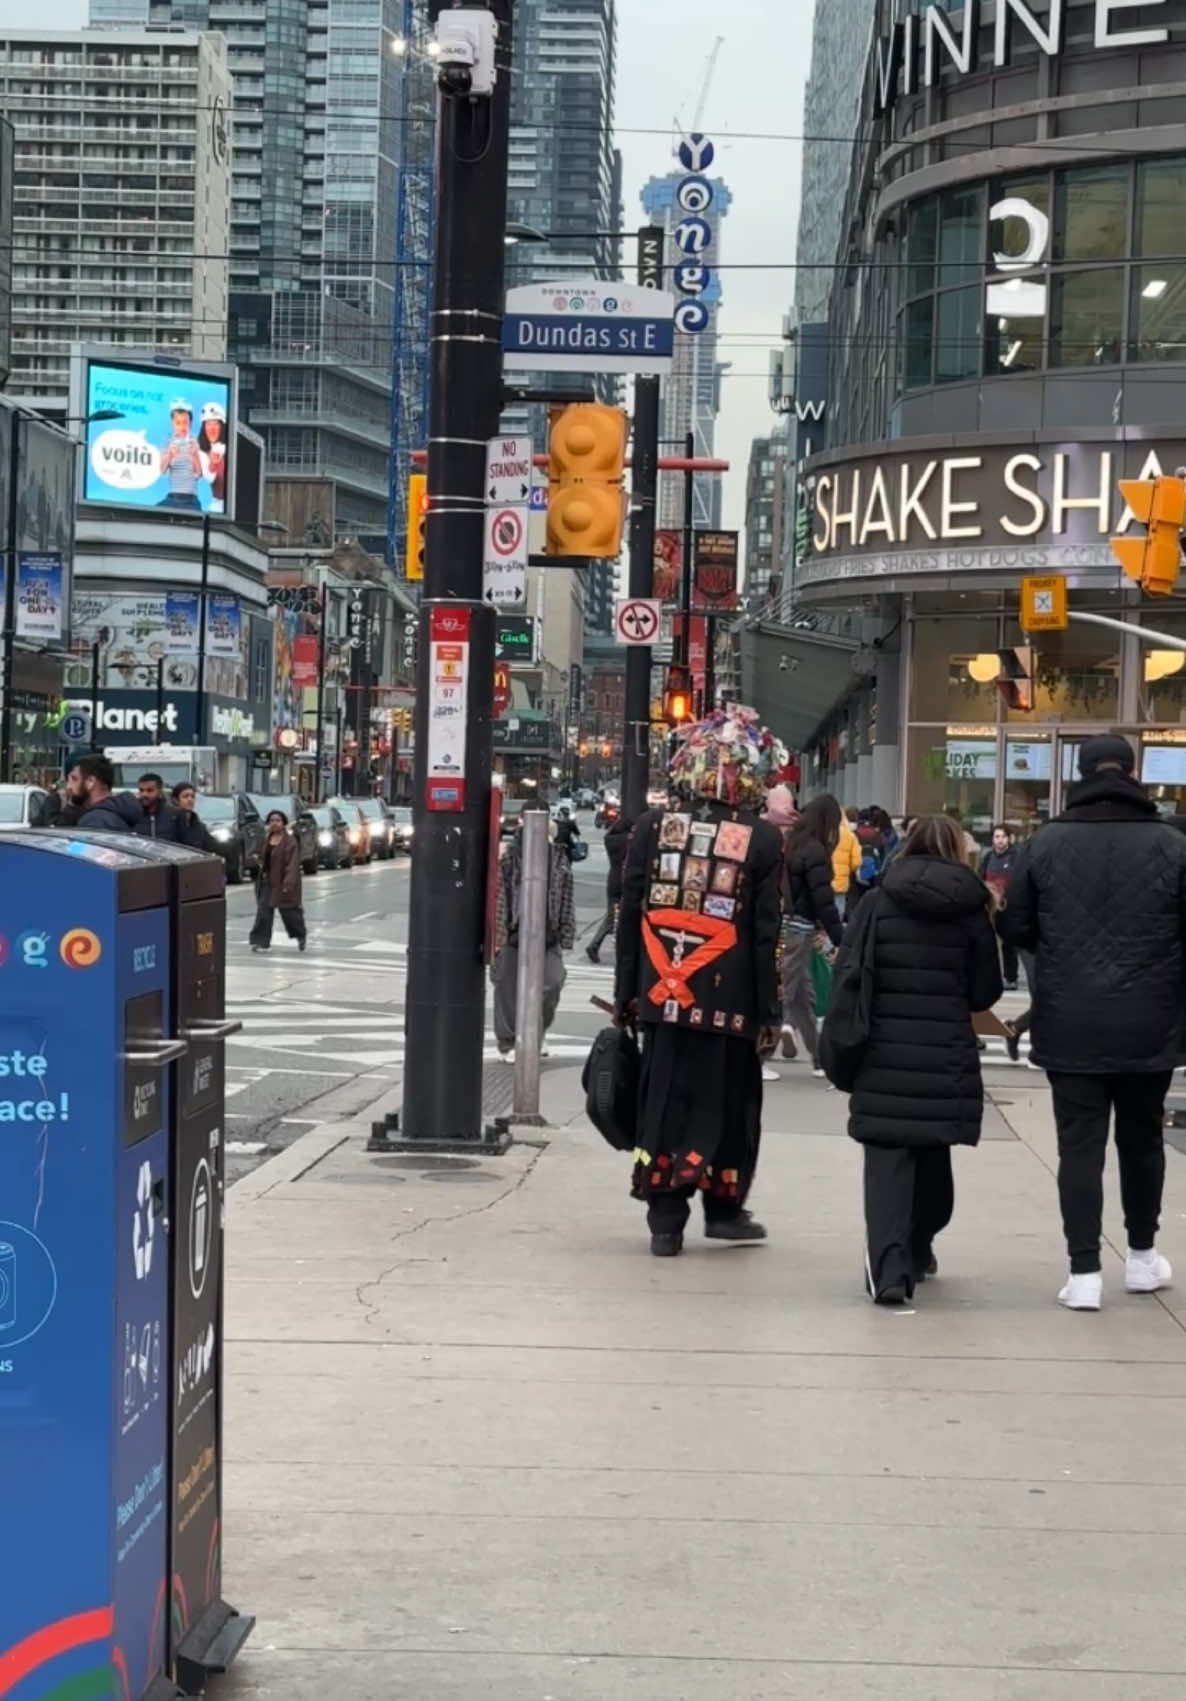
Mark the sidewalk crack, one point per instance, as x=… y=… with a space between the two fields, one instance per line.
x=371 y=1307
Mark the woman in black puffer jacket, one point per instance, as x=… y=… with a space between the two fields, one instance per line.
x=918 y=1091
x=809 y=908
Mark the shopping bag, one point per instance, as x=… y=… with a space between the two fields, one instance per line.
x=821 y=980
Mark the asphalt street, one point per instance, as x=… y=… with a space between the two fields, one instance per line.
x=323 y=1033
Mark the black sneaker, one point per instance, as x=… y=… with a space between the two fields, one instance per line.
x=742 y=1227
x=593 y=956
x=666 y=1245
x=1012 y=1042
x=1010 y=986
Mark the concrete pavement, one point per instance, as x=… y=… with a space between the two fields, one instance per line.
x=480 y=1445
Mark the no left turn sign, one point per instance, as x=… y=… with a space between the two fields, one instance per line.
x=637 y=620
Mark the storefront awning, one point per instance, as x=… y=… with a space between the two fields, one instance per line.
x=793 y=676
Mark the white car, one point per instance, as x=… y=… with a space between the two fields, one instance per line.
x=26 y=806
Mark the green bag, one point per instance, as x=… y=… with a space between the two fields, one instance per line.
x=821 y=980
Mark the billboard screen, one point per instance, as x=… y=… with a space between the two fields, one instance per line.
x=171 y=447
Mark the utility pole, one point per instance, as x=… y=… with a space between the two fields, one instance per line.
x=644 y=477
x=446 y=992
x=683 y=649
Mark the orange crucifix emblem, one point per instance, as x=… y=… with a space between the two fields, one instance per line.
x=675 y=969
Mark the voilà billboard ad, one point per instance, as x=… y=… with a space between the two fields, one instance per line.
x=158 y=436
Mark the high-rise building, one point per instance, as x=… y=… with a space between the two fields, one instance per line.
x=312 y=242
x=765 y=512
x=565 y=184
x=121 y=196
x=692 y=390
x=840 y=42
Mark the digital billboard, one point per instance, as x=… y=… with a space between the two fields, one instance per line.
x=170 y=447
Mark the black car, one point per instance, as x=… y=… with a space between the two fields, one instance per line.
x=300 y=820
x=401 y=827
x=237 y=829
x=334 y=849
x=382 y=844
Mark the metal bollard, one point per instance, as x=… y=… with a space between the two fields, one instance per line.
x=529 y=990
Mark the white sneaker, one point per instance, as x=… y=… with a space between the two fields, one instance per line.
x=818 y=1073
x=1083 y=1292
x=770 y=1074
x=1146 y=1272
x=507 y=1056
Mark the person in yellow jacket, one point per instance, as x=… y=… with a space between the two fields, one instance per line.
x=846 y=859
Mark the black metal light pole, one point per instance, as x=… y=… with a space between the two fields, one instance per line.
x=319 y=787
x=644 y=481
x=95 y=652
x=446 y=992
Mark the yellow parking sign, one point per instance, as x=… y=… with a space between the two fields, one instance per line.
x=1044 y=603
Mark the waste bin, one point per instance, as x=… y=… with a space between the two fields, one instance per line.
x=86 y=1014
x=204 y=1633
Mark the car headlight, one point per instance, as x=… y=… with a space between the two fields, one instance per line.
x=325 y=838
x=352 y=835
x=222 y=834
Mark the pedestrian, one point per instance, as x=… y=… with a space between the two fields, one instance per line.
x=780 y=809
x=918 y=1090
x=164 y=821
x=193 y=831
x=846 y=860
x=697 y=973
x=94 y=804
x=560 y=936
x=809 y=906
x=278 y=886
x=567 y=831
x=617 y=838
x=971 y=847
x=996 y=870
x=1099 y=896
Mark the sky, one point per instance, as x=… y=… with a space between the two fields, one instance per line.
x=757 y=87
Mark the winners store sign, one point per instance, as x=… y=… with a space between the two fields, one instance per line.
x=916 y=512
x=945 y=42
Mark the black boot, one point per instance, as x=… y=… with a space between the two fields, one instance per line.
x=742 y=1227
x=666 y=1245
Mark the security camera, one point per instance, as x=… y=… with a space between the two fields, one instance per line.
x=787 y=664
x=465 y=51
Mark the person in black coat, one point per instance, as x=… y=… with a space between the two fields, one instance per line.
x=810 y=909
x=192 y=830
x=89 y=793
x=918 y=1090
x=1099 y=895
x=617 y=839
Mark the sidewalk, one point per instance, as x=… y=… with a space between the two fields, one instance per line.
x=482 y=1447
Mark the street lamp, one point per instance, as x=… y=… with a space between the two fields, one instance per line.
x=12 y=557
x=203 y=587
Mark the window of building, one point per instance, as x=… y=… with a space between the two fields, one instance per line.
x=1091 y=213
x=1087 y=317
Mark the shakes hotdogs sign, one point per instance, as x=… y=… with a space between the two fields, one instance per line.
x=979 y=507
x=940 y=41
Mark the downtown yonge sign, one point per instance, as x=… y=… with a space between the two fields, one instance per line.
x=918 y=50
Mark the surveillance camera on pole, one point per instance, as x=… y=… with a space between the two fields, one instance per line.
x=465 y=42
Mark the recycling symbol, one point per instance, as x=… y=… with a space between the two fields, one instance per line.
x=143 y=1226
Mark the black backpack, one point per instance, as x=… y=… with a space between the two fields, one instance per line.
x=611 y=1081
x=848 y=1024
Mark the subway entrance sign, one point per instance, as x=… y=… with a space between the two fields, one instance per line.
x=1044 y=603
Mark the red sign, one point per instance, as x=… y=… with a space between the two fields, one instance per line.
x=502 y=689
x=668 y=562
x=306 y=654
x=714 y=572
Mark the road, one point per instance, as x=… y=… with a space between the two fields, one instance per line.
x=323 y=1033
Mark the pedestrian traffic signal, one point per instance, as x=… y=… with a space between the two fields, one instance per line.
x=1015 y=680
x=417 y=528
x=677 y=695
x=1153 y=561
x=586 y=466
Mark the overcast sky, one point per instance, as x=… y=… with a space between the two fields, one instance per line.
x=663 y=48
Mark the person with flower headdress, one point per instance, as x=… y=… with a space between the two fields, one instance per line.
x=697 y=972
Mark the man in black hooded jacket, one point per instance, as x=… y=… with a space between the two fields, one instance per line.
x=91 y=800
x=1099 y=895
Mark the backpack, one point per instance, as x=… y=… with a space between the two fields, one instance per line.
x=872 y=851
x=611 y=1081
x=849 y=1021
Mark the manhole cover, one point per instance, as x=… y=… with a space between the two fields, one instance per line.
x=426 y=1165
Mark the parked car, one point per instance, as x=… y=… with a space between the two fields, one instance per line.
x=300 y=819
x=334 y=849
x=401 y=827
x=512 y=808
x=375 y=813
x=358 y=828
x=27 y=806
x=237 y=829
x=586 y=798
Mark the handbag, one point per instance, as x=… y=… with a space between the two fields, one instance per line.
x=610 y=1079
x=578 y=850
x=821 y=981
x=849 y=1021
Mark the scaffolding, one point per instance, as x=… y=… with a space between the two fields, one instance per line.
x=415 y=186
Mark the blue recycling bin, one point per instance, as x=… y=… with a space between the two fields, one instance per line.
x=86 y=1021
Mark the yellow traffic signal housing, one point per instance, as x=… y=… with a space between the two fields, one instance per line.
x=586 y=466
x=417 y=513
x=677 y=695
x=1153 y=561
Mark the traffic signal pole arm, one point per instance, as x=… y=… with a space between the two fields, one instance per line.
x=1166 y=639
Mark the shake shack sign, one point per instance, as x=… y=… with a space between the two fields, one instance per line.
x=946 y=42
x=911 y=509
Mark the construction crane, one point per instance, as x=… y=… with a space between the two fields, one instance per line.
x=705 y=86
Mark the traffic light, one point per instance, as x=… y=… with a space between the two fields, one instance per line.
x=1153 y=561
x=417 y=514
x=586 y=465
x=677 y=695
x=1015 y=681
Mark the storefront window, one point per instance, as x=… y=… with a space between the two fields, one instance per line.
x=1027 y=782
x=1158 y=314
x=1091 y=214
x=1163 y=770
x=1162 y=679
x=953 y=669
x=1161 y=195
x=1076 y=674
x=953 y=770
x=1086 y=317
x=957 y=342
